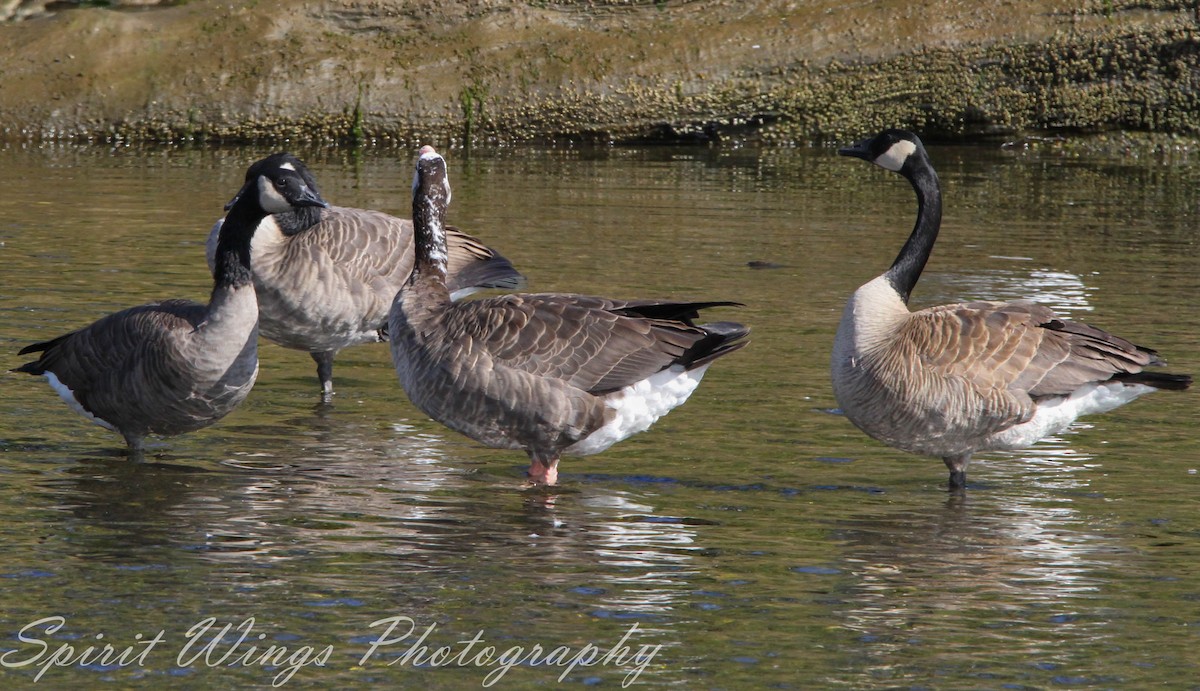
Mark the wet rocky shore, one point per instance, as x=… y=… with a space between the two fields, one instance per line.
x=393 y=72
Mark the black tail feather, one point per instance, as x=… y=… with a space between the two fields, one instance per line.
x=41 y=347
x=39 y=366
x=672 y=311
x=722 y=338
x=33 y=368
x=1159 y=380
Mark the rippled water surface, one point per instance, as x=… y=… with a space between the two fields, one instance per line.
x=751 y=539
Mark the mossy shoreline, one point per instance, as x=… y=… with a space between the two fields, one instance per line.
x=379 y=73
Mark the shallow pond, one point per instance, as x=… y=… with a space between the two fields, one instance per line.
x=751 y=539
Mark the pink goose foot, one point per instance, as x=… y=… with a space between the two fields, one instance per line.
x=543 y=470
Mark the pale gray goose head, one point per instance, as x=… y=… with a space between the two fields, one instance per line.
x=176 y=366
x=952 y=380
x=326 y=277
x=550 y=374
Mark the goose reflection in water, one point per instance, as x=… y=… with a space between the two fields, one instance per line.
x=649 y=559
x=395 y=502
x=1023 y=567
x=268 y=504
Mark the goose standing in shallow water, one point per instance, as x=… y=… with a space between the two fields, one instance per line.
x=325 y=277
x=952 y=380
x=551 y=374
x=176 y=366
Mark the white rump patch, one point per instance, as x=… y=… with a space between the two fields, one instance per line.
x=893 y=159
x=1055 y=415
x=639 y=406
x=68 y=395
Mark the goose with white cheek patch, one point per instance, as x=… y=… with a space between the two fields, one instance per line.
x=325 y=276
x=551 y=374
x=176 y=366
x=953 y=380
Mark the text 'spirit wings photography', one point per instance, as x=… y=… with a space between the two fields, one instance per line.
x=391 y=641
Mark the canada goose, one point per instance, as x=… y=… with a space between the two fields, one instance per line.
x=952 y=380
x=176 y=366
x=547 y=373
x=326 y=277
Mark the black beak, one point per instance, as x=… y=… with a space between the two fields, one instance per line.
x=857 y=150
x=309 y=197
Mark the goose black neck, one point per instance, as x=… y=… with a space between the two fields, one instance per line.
x=907 y=268
x=429 y=236
x=233 y=246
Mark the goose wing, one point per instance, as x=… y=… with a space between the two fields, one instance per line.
x=357 y=247
x=472 y=265
x=352 y=241
x=1020 y=346
x=374 y=243
x=374 y=249
x=595 y=344
x=125 y=351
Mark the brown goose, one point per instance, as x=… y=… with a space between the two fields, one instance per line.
x=548 y=373
x=176 y=366
x=325 y=277
x=952 y=380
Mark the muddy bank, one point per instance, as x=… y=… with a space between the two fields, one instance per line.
x=395 y=72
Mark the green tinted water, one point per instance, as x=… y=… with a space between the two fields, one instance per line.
x=753 y=534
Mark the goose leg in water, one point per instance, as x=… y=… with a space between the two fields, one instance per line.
x=958 y=470
x=137 y=449
x=325 y=373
